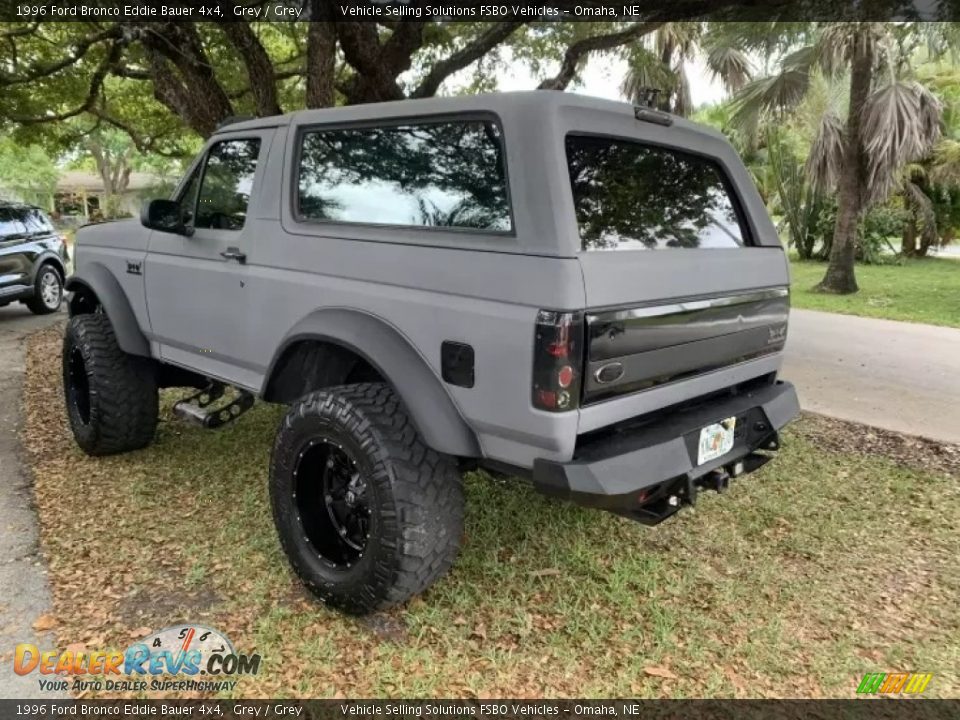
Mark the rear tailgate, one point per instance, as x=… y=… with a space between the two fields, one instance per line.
x=678 y=280
x=639 y=347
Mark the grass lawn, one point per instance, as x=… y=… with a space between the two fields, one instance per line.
x=925 y=290
x=838 y=558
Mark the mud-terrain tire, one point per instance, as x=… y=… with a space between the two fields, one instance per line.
x=47 y=291
x=403 y=528
x=111 y=397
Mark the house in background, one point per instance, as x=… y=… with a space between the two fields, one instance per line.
x=80 y=196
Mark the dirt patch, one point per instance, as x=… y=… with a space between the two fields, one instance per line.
x=156 y=605
x=840 y=436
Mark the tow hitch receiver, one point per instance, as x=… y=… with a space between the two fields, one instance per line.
x=670 y=497
x=193 y=409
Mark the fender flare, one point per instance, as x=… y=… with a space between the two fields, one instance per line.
x=49 y=257
x=99 y=281
x=432 y=410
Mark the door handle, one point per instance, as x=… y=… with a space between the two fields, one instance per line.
x=232 y=253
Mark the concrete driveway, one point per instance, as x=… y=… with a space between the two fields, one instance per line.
x=24 y=592
x=895 y=375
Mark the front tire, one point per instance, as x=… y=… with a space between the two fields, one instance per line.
x=111 y=397
x=47 y=292
x=366 y=513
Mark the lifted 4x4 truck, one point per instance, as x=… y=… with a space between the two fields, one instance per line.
x=582 y=292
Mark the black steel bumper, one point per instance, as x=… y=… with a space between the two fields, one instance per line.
x=646 y=469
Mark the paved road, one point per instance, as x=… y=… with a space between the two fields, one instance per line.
x=24 y=592
x=895 y=375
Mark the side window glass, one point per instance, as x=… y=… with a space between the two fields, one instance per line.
x=10 y=225
x=226 y=184
x=437 y=174
x=36 y=223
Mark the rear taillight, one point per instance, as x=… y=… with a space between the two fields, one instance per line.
x=557 y=360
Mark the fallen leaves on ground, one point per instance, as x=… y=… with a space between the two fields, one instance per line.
x=44 y=623
x=837 y=558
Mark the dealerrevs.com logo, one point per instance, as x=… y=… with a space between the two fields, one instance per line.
x=204 y=655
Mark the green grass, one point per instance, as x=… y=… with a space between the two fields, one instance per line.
x=924 y=290
x=816 y=569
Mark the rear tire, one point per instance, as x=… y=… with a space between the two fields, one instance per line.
x=111 y=397
x=367 y=514
x=47 y=291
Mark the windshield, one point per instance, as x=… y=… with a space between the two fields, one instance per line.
x=632 y=196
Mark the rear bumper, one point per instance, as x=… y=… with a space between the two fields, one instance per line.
x=648 y=469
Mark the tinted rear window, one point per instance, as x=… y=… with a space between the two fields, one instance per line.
x=632 y=196
x=440 y=174
x=10 y=224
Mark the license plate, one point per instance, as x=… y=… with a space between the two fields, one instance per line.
x=716 y=440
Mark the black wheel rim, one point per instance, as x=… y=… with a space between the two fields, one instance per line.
x=79 y=385
x=332 y=502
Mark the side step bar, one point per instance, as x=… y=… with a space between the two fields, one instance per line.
x=193 y=409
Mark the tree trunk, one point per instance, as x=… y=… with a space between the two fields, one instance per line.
x=321 y=59
x=259 y=67
x=183 y=76
x=908 y=247
x=840 y=277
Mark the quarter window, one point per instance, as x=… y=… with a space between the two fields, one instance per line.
x=226 y=185
x=440 y=174
x=35 y=222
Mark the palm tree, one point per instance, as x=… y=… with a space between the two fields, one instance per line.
x=891 y=120
x=931 y=186
x=659 y=61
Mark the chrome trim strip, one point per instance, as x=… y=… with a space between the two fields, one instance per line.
x=688 y=306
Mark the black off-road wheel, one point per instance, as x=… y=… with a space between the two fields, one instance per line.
x=367 y=514
x=111 y=397
x=47 y=292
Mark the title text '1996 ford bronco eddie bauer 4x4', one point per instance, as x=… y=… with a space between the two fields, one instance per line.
x=582 y=292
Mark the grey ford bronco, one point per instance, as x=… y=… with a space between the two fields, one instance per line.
x=581 y=292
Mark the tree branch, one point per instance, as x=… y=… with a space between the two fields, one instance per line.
x=131 y=73
x=96 y=85
x=193 y=92
x=142 y=144
x=475 y=50
x=581 y=48
x=79 y=50
x=20 y=32
x=257 y=61
x=404 y=40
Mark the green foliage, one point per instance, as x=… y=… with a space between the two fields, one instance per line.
x=27 y=172
x=875 y=233
x=799 y=201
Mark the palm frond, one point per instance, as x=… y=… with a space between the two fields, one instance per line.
x=678 y=38
x=946 y=163
x=900 y=123
x=646 y=71
x=922 y=206
x=777 y=93
x=731 y=66
x=764 y=38
x=826 y=154
x=836 y=41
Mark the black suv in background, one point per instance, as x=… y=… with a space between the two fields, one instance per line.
x=33 y=259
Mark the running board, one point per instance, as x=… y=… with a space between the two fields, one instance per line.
x=193 y=409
